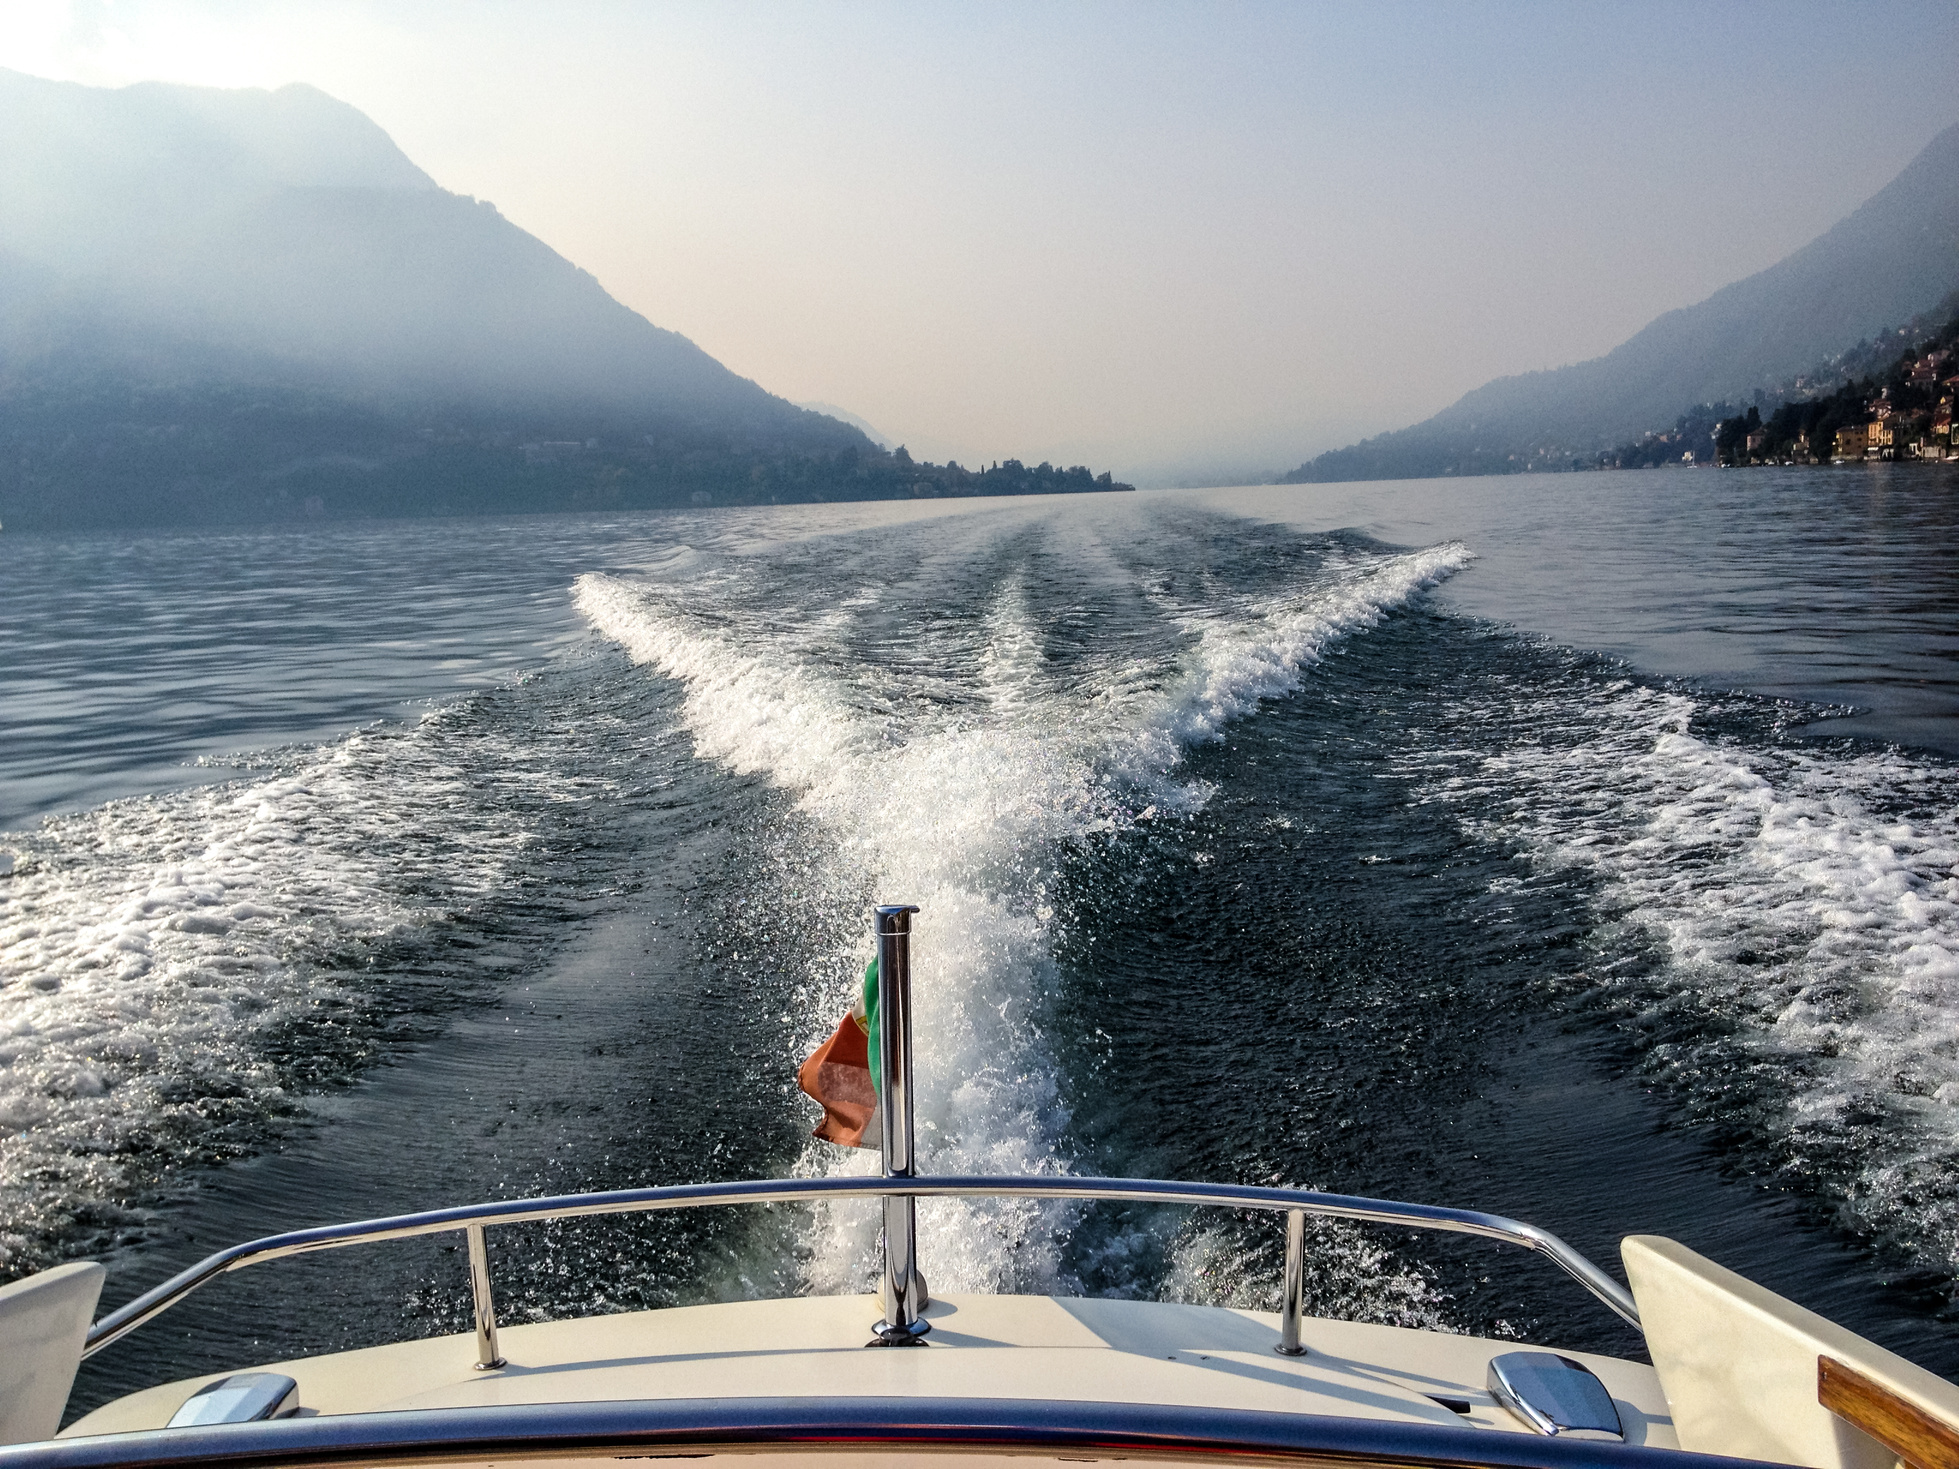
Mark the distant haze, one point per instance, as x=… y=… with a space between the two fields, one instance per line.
x=844 y=415
x=1196 y=243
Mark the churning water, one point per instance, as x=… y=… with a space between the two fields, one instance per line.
x=1423 y=841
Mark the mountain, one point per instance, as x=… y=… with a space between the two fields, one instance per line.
x=1890 y=261
x=844 y=415
x=237 y=306
x=286 y=226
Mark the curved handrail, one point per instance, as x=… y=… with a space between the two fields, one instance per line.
x=121 y=1322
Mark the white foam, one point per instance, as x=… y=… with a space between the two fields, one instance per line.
x=957 y=803
x=1348 y=1277
x=1785 y=900
x=149 y=948
x=1261 y=652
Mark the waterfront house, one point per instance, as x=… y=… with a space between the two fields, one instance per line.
x=1852 y=441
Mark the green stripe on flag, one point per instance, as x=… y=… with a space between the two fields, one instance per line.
x=870 y=1021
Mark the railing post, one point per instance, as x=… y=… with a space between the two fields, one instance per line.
x=1293 y=1307
x=488 y=1359
x=904 y=1287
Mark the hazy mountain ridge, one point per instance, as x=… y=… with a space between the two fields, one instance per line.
x=287 y=225
x=844 y=415
x=224 y=306
x=69 y=140
x=1890 y=260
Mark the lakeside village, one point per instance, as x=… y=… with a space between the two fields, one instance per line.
x=1909 y=419
x=1903 y=412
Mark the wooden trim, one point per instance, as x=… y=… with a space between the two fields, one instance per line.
x=1921 y=1440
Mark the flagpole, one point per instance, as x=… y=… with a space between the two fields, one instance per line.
x=903 y=1323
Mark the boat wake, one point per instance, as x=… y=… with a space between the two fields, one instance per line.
x=1778 y=932
x=948 y=763
x=176 y=970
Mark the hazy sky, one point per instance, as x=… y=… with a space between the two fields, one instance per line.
x=1200 y=240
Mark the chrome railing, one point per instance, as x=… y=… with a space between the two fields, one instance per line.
x=898 y=1187
x=1295 y=1203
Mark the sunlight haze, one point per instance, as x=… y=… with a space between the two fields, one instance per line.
x=1185 y=243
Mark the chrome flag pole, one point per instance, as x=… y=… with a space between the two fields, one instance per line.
x=904 y=1287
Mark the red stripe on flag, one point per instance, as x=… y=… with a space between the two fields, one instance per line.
x=838 y=1076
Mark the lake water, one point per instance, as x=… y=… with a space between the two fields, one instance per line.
x=1583 y=848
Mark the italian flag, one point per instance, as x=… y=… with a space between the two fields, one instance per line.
x=844 y=1073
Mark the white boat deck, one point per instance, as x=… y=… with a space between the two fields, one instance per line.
x=1034 y=1348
